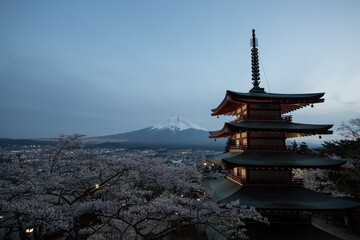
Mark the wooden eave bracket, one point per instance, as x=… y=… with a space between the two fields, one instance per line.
x=228 y=107
x=224 y=132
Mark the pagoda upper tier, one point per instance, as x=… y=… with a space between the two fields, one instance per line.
x=288 y=102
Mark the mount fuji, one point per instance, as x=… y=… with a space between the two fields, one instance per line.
x=175 y=131
x=176 y=124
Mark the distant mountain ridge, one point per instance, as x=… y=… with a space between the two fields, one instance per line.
x=174 y=131
x=8 y=142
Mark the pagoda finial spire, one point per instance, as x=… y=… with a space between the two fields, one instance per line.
x=255 y=65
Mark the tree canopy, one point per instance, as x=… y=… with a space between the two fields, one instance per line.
x=87 y=196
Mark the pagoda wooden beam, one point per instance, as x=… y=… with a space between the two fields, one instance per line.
x=228 y=107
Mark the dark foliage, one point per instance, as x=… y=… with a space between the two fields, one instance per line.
x=230 y=142
x=302 y=149
x=343 y=148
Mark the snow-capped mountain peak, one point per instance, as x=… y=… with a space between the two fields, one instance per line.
x=176 y=123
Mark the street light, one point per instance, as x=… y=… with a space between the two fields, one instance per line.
x=29 y=230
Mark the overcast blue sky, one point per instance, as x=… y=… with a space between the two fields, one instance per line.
x=105 y=67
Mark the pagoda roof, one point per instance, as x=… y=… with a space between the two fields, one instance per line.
x=218 y=159
x=274 y=96
x=273 y=159
x=223 y=188
x=289 y=128
x=290 y=102
x=277 y=197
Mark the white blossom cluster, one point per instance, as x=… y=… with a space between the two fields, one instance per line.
x=95 y=197
x=319 y=180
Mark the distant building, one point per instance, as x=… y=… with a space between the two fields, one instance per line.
x=261 y=164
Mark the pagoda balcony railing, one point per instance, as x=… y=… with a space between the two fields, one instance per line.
x=287 y=118
x=241 y=180
x=262 y=148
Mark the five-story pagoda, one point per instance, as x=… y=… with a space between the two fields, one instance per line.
x=260 y=162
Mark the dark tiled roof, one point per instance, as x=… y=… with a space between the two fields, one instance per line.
x=219 y=158
x=275 y=197
x=281 y=126
x=274 y=159
x=287 y=197
x=290 y=102
x=273 y=96
x=289 y=128
x=224 y=188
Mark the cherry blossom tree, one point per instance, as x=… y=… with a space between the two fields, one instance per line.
x=79 y=195
x=344 y=183
x=319 y=180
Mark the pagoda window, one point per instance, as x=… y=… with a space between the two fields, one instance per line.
x=241 y=112
x=241 y=108
x=238 y=139
x=243 y=173
x=238 y=113
x=235 y=171
x=240 y=172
